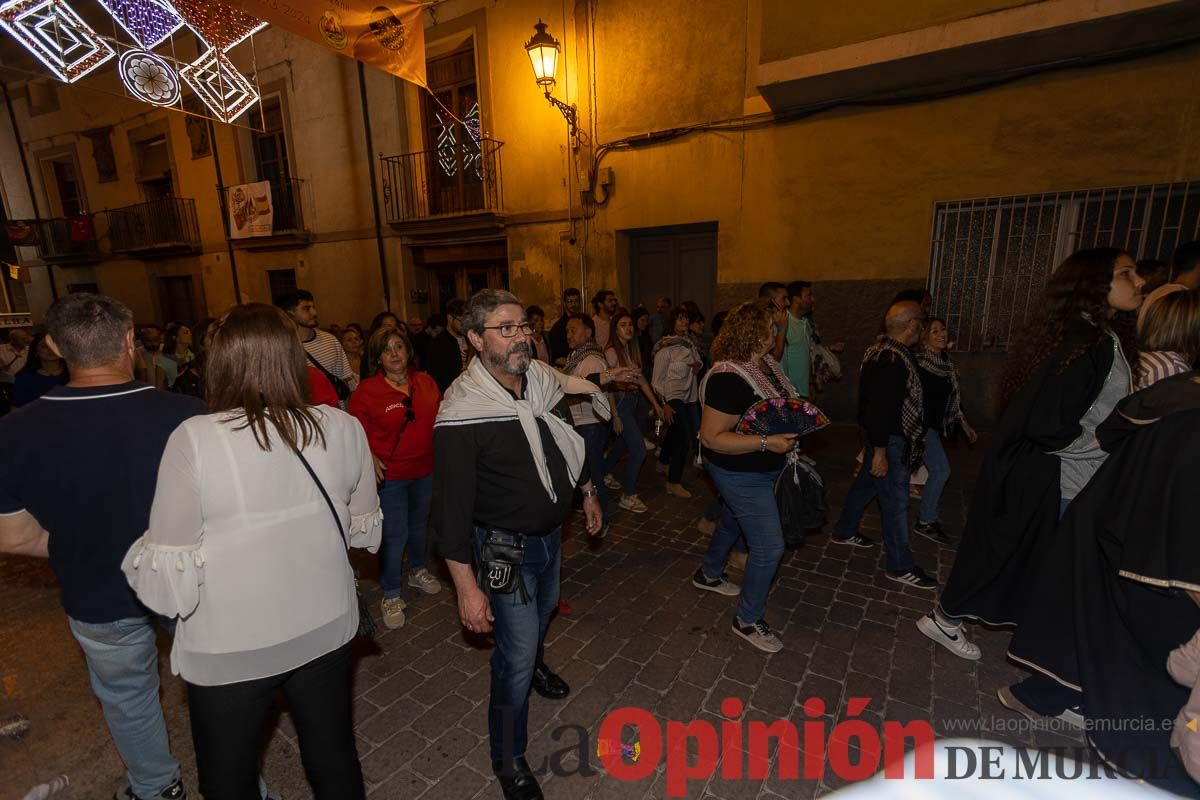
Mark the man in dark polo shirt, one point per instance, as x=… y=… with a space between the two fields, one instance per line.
x=505 y=464
x=77 y=475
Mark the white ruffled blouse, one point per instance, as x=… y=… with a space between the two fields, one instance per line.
x=243 y=550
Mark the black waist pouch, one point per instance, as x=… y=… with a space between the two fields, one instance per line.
x=500 y=559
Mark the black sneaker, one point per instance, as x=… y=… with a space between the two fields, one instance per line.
x=719 y=585
x=854 y=541
x=758 y=634
x=931 y=530
x=914 y=577
x=175 y=791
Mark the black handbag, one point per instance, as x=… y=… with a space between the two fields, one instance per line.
x=366 y=625
x=800 y=496
x=501 y=557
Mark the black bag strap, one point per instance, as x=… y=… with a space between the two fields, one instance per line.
x=339 y=384
x=325 y=494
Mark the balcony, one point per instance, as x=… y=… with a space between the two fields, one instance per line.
x=68 y=241
x=163 y=227
x=450 y=188
x=287 y=226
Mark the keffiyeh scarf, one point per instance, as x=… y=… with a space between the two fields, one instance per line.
x=767 y=383
x=939 y=364
x=580 y=353
x=912 y=412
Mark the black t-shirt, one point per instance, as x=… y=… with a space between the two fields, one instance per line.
x=84 y=462
x=729 y=393
x=936 y=390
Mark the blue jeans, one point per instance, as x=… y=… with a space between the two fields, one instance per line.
x=405 y=505
x=630 y=440
x=595 y=439
x=122 y=662
x=939 y=472
x=520 y=632
x=892 y=491
x=749 y=511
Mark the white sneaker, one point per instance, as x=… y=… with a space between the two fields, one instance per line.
x=422 y=579
x=953 y=639
x=392 y=610
x=612 y=483
x=631 y=502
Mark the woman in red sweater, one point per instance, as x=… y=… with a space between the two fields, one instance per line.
x=397 y=405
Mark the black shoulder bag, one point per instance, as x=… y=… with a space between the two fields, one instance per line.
x=339 y=386
x=501 y=557
x=366 y=625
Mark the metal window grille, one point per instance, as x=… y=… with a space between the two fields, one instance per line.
x=990 y=258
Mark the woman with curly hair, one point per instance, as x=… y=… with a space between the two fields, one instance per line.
x=744 y=467
x=1076 y=362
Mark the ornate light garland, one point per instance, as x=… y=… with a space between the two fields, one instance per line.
x=57 y=36
x=148 y=22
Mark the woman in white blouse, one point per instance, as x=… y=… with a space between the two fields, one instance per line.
x=243 y=547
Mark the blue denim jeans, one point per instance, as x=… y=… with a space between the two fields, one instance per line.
x=595 y=439
x=630 y=440
x=405 y=505
x=892 y=491
x=938 y=466
x=520 y=633
x=749 y=511
x=122 y=662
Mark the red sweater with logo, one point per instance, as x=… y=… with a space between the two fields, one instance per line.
x=407 y=447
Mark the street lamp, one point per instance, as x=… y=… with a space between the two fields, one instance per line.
x=543 y=52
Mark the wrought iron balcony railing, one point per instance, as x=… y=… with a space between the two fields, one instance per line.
x=456 y=178
x=163 y=226
x=67 y=240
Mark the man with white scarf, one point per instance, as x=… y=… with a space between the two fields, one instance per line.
x=505 y=464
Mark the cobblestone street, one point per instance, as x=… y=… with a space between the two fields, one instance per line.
x=639 y=634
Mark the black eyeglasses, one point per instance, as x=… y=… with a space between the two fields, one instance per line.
x=510 y=330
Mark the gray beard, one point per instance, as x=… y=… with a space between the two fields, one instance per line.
x=500 y=361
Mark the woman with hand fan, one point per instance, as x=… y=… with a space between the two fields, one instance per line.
x=744 y=465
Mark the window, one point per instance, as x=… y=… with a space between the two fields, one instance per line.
x=990 y=258
x=455 y=165
x=153 y=158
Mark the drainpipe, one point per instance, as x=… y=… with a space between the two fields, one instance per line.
x=221 y=201
x=12 y=117
x=383 y=275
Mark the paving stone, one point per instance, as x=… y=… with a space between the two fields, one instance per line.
x=444 y=753
x=441 y=717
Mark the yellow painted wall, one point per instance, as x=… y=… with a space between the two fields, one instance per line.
x=796 y=27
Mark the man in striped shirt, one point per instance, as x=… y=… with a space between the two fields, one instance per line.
x=322 y=348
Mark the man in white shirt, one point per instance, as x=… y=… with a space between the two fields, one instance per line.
x=323 y=349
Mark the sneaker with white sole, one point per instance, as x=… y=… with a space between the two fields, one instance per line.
x=719 y=585
x=758 y=634
x=424 y=580
x=953 y=638
x=176 y=791
x=1073 y=716
x=914 y=577
x=631 y=502
x=392 y=611
x=612 y=483
x=854 y=541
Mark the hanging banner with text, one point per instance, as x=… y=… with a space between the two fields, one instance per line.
x=250 y=211
x=387 y=35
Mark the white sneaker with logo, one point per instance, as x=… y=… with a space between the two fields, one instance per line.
x=953 y=639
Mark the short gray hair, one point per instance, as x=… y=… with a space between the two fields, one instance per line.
x=483 y=303
x=89 y=329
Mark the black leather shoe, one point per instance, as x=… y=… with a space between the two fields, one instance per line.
x=549 y=685
x=517 y=779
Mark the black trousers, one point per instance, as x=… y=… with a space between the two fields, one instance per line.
x=228 y=722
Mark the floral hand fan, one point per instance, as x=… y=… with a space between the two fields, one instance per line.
x=782 y=415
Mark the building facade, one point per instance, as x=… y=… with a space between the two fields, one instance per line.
x=963 y=145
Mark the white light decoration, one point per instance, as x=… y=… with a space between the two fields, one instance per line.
x=149 y=78
x=226 y=92
x=148 y=22
x=220 y=26
x=57 y=36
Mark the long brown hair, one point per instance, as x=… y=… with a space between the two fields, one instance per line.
x=256 y=368
x=628 y=355
x=379 y=342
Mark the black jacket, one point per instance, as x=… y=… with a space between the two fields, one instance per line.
x=444 y=359
x=882 y=390
x=556 y=340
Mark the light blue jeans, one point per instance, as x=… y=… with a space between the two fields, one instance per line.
x=938 y=466
x=750 y=511
x=122 y=661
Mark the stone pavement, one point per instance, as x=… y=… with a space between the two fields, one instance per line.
x=639 y=635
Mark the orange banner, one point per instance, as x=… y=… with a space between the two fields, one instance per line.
x=389 y=35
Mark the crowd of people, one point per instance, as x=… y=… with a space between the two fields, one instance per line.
x=258 y=448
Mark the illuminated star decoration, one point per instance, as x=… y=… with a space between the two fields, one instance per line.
x=149 y=22
x=57 y=36
x=149 y=78
x=226 y=92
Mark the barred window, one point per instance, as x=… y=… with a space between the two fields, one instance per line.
x=990 y=258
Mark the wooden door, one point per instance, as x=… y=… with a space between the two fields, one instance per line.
x=679 y=263
x=177 y=299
